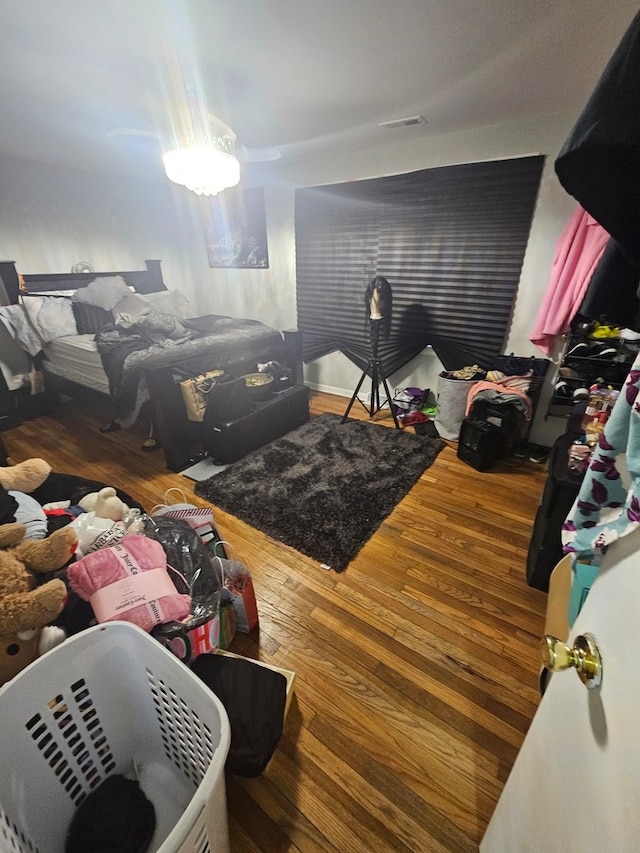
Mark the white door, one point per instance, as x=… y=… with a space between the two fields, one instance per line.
x=575 y=785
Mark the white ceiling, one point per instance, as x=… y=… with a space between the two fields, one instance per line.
x=301 y=75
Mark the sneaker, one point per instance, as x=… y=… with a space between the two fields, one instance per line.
x=563 y=389
x=521 y=450
x=579 y=349
x=538 y=455
x=584 y=327
x=569 y=373
x=602 y=351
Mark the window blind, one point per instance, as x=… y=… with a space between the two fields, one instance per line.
x=451 y=242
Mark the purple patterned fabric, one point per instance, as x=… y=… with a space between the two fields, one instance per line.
x=607 y=507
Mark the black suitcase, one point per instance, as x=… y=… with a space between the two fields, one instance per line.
x=505 y=416
x=228 y=441
x=559 y=495
x=480 y=444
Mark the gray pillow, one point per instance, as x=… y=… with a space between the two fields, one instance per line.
x=103 y=292
x=130 y=310
x=171 y=302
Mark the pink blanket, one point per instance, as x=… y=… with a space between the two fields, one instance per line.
x=129 y=581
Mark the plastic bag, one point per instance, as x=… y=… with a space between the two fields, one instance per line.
x=96 y=532
x=199 y=518
x=237 y=587
x=191 y=570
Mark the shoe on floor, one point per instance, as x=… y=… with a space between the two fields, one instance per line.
x=538 y=454
x=563 y=390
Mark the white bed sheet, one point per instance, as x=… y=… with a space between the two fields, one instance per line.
x=76 y=357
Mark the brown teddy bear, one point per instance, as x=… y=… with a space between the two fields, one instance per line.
x=25 y=476
x=25 y=608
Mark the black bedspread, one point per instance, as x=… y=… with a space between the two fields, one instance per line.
x=161 y=340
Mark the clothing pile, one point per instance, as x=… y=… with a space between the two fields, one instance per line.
x=414 y=407
x=472 y=371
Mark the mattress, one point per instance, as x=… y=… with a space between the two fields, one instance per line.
x=76 y=358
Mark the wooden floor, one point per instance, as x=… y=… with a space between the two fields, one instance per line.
x=417 y=667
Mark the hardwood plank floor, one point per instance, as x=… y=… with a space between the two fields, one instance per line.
x=417 y=668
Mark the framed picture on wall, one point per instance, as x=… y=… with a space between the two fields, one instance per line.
x=237 y=230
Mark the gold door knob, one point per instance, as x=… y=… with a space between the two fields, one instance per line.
x=584 y=657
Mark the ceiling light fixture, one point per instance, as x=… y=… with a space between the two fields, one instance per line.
x=204 y=169
x=207 y=165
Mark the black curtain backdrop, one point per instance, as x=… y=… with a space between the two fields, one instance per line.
x=451 y=242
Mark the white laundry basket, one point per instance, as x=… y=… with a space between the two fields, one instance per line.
x=112 y=700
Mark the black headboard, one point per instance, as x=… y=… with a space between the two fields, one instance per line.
x=148 y=280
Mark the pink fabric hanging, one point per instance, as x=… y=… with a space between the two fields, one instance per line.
x=578 y=251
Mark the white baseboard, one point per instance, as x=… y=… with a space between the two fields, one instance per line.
x=329 y=389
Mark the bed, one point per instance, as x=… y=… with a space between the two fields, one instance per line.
x=125 y=335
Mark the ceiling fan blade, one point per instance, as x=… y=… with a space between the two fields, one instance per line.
x=131 y=131
x=243 y=152
x=257 y=155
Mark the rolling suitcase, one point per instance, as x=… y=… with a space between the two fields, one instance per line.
x=480 y=443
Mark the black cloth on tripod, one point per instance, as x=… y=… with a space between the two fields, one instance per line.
x=375 y=370
x=612 y=292
x=599 y=164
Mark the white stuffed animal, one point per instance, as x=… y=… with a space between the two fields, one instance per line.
x=105 y=520
x=105 y=504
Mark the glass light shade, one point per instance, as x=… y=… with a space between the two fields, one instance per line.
x=204 y=169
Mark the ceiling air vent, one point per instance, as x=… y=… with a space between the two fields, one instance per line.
x=410 y=121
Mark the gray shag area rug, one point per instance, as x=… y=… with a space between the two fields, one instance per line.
x=324 y=488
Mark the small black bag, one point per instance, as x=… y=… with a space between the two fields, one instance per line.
x=227 y=401
x=519 y=365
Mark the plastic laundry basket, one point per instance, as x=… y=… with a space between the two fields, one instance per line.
x=111 y=700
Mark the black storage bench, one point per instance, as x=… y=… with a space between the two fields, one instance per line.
x=274 y=417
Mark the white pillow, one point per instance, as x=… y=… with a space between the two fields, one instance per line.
x=171 y=302
x=104 y=292
x=17 y=322
x=52 y=317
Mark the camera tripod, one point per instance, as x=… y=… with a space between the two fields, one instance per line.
x=373 y=369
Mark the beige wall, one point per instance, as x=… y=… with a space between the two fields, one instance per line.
x=52 y=217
